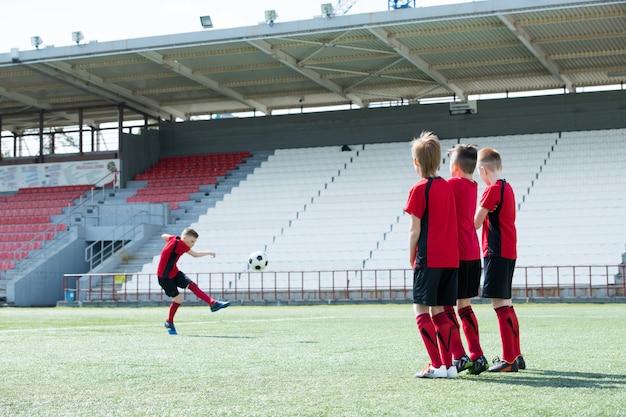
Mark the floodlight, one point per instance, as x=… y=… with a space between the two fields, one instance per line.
x=206 y=22
x=77 y=37
x=15 y=55
x=36 y=41
x=270 y=16
x=327 y=10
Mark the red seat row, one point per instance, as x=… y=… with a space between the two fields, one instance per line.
x=35 y=212
x=25 y=237
x=168 y=190
x=55 y=189
x=5 y=265
x=14 y=246
x=32 y=228
x=13 y=255
x=175 y=182
x=24 y=220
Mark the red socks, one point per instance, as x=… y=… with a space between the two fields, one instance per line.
x=193 y=287
x=445 y=332
x=456 y=346
x=429 y=336
x=516 y=327
x=173 y=308
x=509 y=333
x=470 y=330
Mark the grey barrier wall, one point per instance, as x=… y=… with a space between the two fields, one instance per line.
x=588 y=111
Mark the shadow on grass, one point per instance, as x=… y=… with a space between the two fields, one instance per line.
x=213 y=336
x=554 y=379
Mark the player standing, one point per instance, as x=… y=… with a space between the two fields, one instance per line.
x=434 y=255
x=462 y=165
x=496 y=216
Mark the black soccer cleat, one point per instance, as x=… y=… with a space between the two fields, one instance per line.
x=503 y=366
x=478 y=366
x=170 y=327
x=219 y=305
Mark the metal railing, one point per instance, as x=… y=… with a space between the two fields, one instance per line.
x=353 y=285
x=114 y=241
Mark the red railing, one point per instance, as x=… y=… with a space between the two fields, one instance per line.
x=355 y=285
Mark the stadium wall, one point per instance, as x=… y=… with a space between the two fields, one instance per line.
x=139 y=152
x=568 y=112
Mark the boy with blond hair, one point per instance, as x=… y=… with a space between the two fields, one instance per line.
x=496 y=216
x=171 y=278
x=462 y=165
x=433 y=254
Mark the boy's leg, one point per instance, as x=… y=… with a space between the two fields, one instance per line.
x=521 y=364
x=456 y=345
x=215 y=305
x=193 y=287
x=171 y=290
x=444 y=329
x=172 y=312
x=470 y=330
x=429 y=337
x=508 y=334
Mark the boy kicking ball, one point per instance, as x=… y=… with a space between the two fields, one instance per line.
x=171 y=278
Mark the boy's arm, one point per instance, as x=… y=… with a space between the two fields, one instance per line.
x=414 y=234
x=165 y=237
x=479 y=218
x=200 y=254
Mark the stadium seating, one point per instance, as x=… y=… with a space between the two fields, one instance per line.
x=25 y=219
x=317 y=209
x=173 y=179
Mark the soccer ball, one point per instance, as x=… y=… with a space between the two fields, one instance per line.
x=257 y=261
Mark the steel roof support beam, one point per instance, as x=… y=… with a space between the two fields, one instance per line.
x=203 y=80
x=86 y=81
x=314 y=76
x=537 y=51
x=417 y=61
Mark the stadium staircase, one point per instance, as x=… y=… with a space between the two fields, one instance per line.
x=184 y=213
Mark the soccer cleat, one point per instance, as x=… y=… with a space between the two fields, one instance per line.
x=503 y=366
x=462 y=364
x=451 y=372
x=479 y=365
x=521 y=363
x=218 y=305
x=170 y=327
x=432 y=372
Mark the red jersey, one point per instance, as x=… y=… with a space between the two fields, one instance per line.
x=465 y=196
x=172 y=250
x=499 y=233
x=432 y=200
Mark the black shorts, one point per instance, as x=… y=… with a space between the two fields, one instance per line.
x=171 y=285
x=435 y=286
x=498 y=277
x=469 y=278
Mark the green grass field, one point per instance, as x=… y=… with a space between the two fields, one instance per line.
x=353 y=360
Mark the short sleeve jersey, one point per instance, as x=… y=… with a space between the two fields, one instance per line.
x=172 y=251
x=465 y=196
x=499 y=236
x=432 y=201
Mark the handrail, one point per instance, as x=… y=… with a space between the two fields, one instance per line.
x=95 y=258
x=43 y=251
x=315 y=286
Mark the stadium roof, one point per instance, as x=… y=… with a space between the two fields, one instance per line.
x=457 y=50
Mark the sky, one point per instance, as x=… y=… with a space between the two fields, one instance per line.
x=54 y=21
